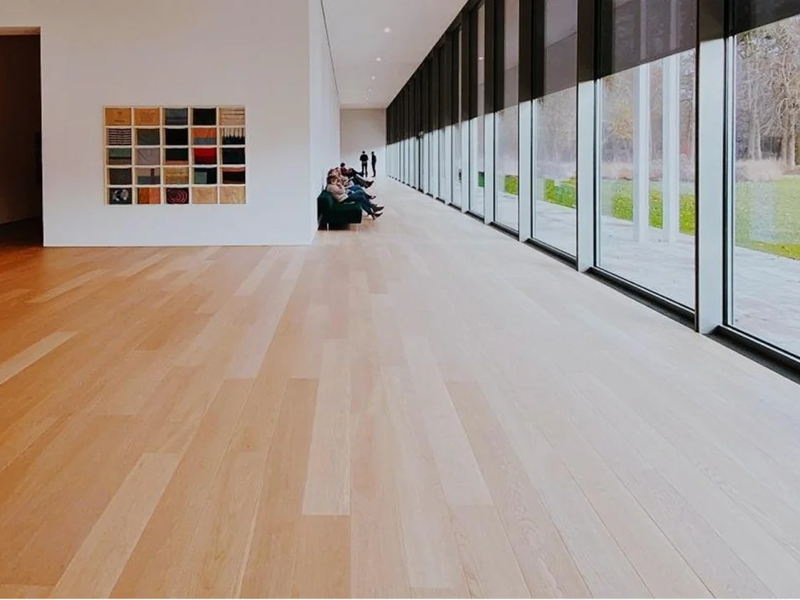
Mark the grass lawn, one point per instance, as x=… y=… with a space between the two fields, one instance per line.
x=763 y=210
x=767 y=214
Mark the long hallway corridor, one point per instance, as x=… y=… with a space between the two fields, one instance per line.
x=416 y=407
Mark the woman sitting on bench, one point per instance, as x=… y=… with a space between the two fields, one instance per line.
x=340 y=194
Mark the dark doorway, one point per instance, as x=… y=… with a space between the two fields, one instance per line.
x=20 y=137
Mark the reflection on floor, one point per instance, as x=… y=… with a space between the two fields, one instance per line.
x=418 y=406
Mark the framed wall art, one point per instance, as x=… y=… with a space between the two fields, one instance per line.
x=177 y=155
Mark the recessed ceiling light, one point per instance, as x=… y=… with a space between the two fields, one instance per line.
x=379 y=59
x=373 y=78
x=388 y=30
x=480 y=58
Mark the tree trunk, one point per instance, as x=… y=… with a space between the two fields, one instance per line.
x=792 y=158
x=785 y=141
x=759 y=154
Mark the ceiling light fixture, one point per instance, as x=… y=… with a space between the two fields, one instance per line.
x=387 y=30
x=379 y=59
x=480 y=58
x=373 y=78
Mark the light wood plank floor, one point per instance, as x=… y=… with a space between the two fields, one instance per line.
x=420 y=407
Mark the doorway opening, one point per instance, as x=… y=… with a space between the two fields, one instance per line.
x=20 y=137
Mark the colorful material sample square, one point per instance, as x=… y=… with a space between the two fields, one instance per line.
x=147 y=117
x=232 y=195
x=120 y=196
x=148 y=195
x=232 y=117
x=148 y=137
x=118 y=117
x=204 y=195
x=204 y=116
x=176 y=176
x=233 y=176
x=176 y=116
x=120 y=177
x=177 y=196
x=120 y=156
x=119 y=137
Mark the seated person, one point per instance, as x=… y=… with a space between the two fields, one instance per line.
x=340 y=194
x=349 y=184
x=355 y=176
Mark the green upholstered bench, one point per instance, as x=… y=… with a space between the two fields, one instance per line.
x=330 y=212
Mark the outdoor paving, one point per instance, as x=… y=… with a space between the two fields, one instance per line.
x=766 y=287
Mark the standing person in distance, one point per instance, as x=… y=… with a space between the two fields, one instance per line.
x=374 y=165
x=364 y=161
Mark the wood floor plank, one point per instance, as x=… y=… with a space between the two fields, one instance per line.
x=26 y=358
x=94 y=570
x=546 y=563
x=489 y=563
x=273 y=550
x=214 y=562
x=327 y=490
x=417 y=407
x=323 y=558
x=428 y=536
x=378 y=557
x=154 y=566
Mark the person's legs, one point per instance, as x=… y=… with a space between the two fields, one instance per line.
x=374 y=171
x=363 y=201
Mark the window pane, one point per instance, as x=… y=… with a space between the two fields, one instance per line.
x=554 y=191
x=458 y=130
x=634 y=32
x=555 y=131
x=766 y=203
x=477 y=131
x=647 y=223
x=507 y=127
x=445 y=170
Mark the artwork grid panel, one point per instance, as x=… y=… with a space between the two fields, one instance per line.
x=156 y=155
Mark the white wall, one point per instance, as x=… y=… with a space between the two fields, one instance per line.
x=363 y=129
x=324 y=102
x=96 y=53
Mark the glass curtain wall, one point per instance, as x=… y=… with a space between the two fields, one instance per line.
x=477 y=195
x=644 y=209
x=764 y=286
x=647 y=108
x=555 y=131
x=507 y=126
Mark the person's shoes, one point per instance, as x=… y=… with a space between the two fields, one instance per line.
x=377 y=208
x=369 y=184
x=375 y=216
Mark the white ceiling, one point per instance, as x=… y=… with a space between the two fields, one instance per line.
x=357 y=36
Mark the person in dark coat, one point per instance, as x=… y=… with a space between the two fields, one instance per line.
x=364 y=161
x=374 y=165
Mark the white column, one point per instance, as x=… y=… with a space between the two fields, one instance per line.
x=641 y=153
x=447 y=192
x=435 y=144
x=526 y=110
x=587 y=141
x=488 y=168
x=710 y=181
x=671 y=159
x=537 y=181
x=466 y=164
